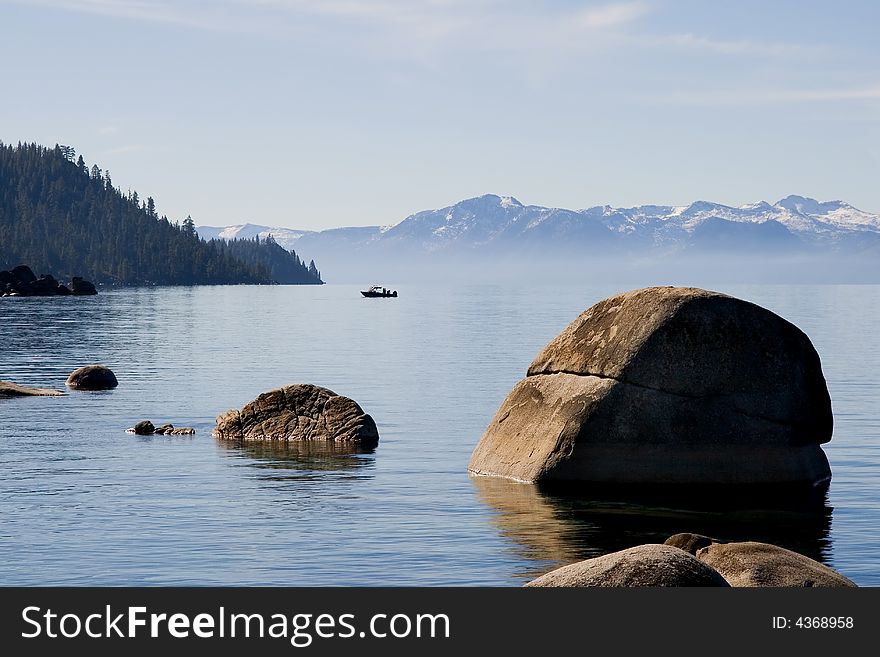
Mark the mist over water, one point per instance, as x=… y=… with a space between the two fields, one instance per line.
x=85 y=503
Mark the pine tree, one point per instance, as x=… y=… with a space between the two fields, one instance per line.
x=189 y=227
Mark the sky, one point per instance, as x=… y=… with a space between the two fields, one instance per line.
x=322 y=113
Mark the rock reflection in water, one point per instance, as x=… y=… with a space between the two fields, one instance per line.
x=552 y=527
x=299 y=459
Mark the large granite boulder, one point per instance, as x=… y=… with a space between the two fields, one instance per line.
x=666 y=385
x=8 y=389
x=643 y=565
x=92 y=377
x=299 y=412
x=752 y=564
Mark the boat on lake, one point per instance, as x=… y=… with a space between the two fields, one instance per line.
x=378 y=291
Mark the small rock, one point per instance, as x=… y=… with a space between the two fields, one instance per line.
x=689 y=542
x=182 y=431
x=165 y=428
x=92 y=377
x=751 y=564
x=144 y=428
x=643 y=565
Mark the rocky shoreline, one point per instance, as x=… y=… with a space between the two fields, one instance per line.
x=20 y=281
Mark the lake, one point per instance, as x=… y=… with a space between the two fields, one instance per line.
x=84 y=503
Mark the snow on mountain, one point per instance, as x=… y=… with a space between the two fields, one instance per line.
x=499 y=224
x=286 y=237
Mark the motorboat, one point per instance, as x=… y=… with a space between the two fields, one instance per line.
x=378 y=291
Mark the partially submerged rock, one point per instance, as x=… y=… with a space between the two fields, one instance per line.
x=753 y=564
x=92 y=377
x=643 y=565
x=299 y=412
x=8 y=389
x=146 y=428
x=81 y=287
x=689 y=542
x=666 y=385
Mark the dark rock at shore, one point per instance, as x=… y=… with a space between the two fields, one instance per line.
x=643 y=565
x=23 y=274
x=667 y=385
x=299 y=412
x=92 y=377
x=689 y=542
x=20 y=281
x=753 y=564
x=8 y=389
x=80 y=287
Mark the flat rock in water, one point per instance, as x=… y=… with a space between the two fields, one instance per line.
x=299 y=412
x=753 y=564
x=92 y=377
x=8 y=389
x=671 y=386
x=643 y=565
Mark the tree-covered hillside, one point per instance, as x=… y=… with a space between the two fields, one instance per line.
x=283 y=266
x=61 y=217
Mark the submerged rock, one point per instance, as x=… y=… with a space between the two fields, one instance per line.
x=752 y=564
x=643 y=565
x=299 y=412
x=92 y=377
x=8 y=389
x=666 y=385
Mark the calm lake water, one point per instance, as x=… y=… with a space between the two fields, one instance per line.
x=84 y=503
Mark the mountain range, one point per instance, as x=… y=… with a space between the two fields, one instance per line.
x=495 y=230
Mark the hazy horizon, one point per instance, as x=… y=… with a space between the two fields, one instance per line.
x=312 y=115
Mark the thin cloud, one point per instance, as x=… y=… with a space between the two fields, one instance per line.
x=736 y=47
x=413 y=19
x=431 y=26
x=767 y=96
x=611 y=15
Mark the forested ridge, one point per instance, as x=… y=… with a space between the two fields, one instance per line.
x=60 y=216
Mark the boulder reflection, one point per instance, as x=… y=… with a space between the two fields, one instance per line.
x=303 y=458
x=553 y=526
